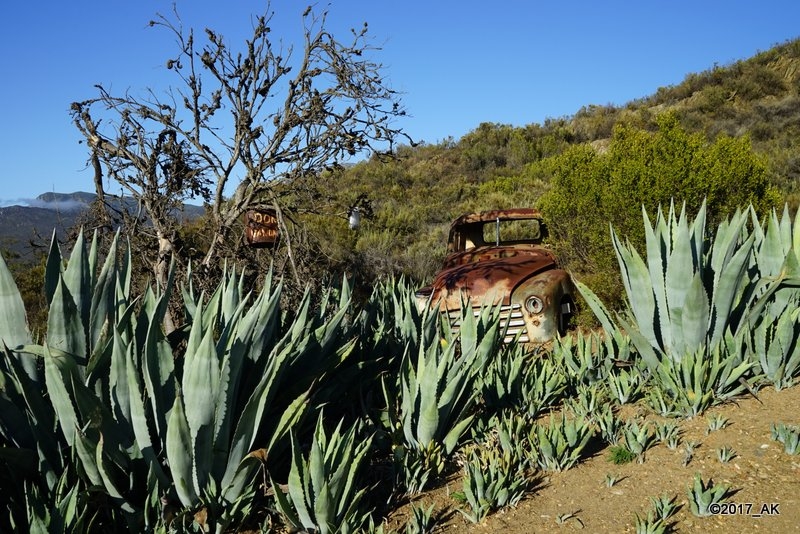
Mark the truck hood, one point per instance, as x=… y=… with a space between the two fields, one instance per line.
x=485 y=274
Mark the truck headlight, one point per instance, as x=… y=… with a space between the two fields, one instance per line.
x=534 y=305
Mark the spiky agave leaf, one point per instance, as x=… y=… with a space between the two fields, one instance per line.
x=180 y=453
x=639 y=286
x=14 y=330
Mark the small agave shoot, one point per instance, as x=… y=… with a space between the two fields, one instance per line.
x=788 y=435
x=560 y=442
x=688 y=451
x=703 y=494
x=726 y=454
x=716 y=422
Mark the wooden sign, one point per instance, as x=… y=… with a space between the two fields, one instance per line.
x=261 y=228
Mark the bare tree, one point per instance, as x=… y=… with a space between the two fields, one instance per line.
x=154 y=165
x=242 y=128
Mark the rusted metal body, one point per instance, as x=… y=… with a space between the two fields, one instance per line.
x=261 y=228
x=515 y=270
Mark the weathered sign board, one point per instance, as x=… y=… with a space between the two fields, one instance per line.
x=261 y=228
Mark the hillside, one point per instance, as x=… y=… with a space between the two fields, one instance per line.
x=24 y=229
x=414 y=197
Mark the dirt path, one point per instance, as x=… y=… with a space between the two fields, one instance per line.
x=580 y=499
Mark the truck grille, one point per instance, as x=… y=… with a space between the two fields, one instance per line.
x=509 y=315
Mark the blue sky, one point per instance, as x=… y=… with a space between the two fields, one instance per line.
x=457 y=63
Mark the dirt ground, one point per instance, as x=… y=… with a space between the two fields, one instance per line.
x=580 y=499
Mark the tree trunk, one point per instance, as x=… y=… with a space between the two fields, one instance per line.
x=161 y=271
x=219 y=239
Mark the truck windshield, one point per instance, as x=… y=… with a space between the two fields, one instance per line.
x=527 y=230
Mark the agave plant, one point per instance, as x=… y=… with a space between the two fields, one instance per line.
x=587 y=359
x=637 y=438
x=13 y=322
x=588 y=400
x=773 y=344
x=773 y=341
x=507 y=433
x=696 y=297
x=625 y=384
x=684 y=296
x=39 y=488
x=704 y=377
x=664 y=506
x=32 y=390
x=524 y=381
x=777 y=247
x=561 y=441
x=323 y=492
x=703 y=494
x=655 y=522
x=390 y=320
x=609 y=425
x=149 y=431
x=422 y=520
x=692 y=290
x=499 y=466
x=668 y=433
x=430 y=406
x=492 y=482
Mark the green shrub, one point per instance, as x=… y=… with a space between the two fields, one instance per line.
x=591 y=190
x=619 y=454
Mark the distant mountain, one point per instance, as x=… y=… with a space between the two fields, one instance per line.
x=77 y=201
x=24 y=227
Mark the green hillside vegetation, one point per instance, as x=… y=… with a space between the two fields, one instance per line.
x=728 y=135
